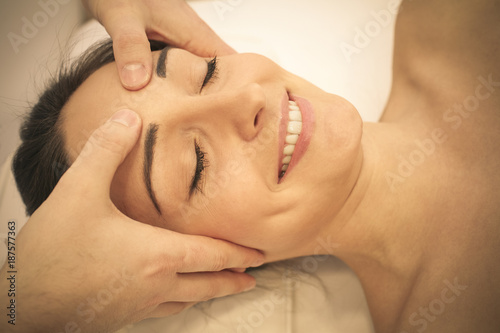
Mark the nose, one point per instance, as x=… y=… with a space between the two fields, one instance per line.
x=244 y=109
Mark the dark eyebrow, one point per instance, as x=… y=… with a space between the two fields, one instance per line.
x=161 y=64
x=149 y=145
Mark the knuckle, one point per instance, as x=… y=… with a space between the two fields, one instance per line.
x=216 y=260
x=190 y=254
x=127 y=41
x=219 y=262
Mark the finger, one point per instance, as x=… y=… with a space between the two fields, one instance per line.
x=188 y=31
x=199 y=287
x=205 y=42
x=237 y=270
x=170 y=308
x=204 y=254
x=104 y=151
x=131 y=48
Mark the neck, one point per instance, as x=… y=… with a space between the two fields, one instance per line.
x=372 y=234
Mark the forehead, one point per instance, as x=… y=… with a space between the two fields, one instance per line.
x=95 y=100
x=90 y=106
x=100 y=96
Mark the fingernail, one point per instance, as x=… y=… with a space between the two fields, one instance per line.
x=125 y=117
x=250 y=286
x=258 y=262
x=134 y=74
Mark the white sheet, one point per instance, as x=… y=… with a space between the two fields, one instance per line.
x=312 y=39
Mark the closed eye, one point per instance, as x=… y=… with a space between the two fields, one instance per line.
x=201 y=164
x=211 y=72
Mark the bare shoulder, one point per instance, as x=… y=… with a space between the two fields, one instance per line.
x=446 y=63
x=458 y=290
x=454 y=40
x=447 y=69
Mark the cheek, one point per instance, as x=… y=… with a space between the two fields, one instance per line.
x=233 y=209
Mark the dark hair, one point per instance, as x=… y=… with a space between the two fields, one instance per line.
x=41 y=159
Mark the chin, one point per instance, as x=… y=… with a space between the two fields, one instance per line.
x=335 y=160
x=337 y=139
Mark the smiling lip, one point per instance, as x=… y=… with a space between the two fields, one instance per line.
x=307 y=113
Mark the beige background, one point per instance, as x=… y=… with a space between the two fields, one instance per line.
x=24 y=72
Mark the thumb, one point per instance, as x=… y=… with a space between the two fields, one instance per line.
x=131 y=49
x=105 y=150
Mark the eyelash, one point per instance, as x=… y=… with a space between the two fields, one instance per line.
x=201 y=161
x=211 y=75
x=201 y=164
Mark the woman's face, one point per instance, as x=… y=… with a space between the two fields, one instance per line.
x=210 y=157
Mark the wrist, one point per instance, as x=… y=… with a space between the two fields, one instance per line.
x=28 y=307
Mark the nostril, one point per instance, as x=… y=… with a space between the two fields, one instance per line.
x=256 y=120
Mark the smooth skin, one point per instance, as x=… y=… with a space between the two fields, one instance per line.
x=131 y=22
x=419 y=221
x=82 y=264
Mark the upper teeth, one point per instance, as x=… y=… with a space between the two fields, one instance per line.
x=293 y=131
